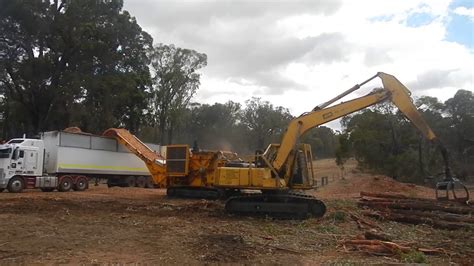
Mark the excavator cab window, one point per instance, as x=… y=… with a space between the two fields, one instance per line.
x=303 y=170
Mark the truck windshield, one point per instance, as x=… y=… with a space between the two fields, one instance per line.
x=5 y=153
x=16 y=141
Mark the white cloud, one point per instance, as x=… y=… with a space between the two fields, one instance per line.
x=299 y=54
x=463 y=11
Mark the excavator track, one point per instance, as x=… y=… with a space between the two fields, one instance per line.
x=194 y=192
x=279 y=205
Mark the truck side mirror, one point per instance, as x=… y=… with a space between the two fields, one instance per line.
x=16 y=154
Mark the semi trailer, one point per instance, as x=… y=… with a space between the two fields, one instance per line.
x=67 y=161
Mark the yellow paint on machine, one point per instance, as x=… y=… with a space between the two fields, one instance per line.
x=244 y=177
x=102 y=167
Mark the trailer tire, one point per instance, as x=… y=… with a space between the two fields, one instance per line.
x=1 y=190
x=81 y=184
x=65 y=184
x=131 y=181
x=16 y=185
x=47 y=189
x=149 y=182
x=141 y=182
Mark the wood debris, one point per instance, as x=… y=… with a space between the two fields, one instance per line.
x=400 y=208
x=379 y=247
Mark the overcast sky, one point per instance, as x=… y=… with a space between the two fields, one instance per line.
x=298 y=54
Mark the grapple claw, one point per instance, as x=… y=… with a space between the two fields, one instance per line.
x=451 y=185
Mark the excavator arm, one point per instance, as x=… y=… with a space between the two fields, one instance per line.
x=283 y=168
x=393 y=90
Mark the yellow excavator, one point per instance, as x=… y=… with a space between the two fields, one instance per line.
x=283 y=171
x=286 y=167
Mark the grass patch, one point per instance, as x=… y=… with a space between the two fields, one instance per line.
x=327 y=228
x=344 y=262
x=413 y=257
x=270 y=228
x=340 y=204
x=337 y=216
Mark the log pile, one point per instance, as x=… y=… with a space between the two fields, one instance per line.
x=400 y=208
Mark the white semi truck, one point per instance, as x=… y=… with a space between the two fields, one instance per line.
x=64 y=161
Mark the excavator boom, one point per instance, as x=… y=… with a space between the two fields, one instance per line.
x=393 y=90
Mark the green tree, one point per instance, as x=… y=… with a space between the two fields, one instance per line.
x=264 y=122
x=68 y=63
x=386 y=142
x=175 y=81
x=322 y=140
x=460 y=112
x=343 y=150
x=213 y=126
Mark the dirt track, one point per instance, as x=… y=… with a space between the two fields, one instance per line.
x=129 y=225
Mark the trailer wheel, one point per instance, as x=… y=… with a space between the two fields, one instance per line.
x=141 y=182
x=131 y=181
x=65 y=184
x=81 y=184
x=16 y=185
x=47 y=189
x=1 y=190
x=149 y=182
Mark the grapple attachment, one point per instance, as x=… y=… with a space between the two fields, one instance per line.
x=452 y=189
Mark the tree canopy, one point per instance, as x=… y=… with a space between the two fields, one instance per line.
x=175 y=81
x=382 y=140
x=71 y=62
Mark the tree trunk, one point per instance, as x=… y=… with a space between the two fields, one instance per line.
x=170 y=135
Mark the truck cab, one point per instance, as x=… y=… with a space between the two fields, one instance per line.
x=20 y=157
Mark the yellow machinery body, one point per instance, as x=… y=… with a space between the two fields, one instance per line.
x=193 y=168
x=245 y=178
x=181 y=167
x=261 y=176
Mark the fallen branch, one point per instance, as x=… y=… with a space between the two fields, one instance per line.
x=374 y=235
x=361 y=221
x=378 y=247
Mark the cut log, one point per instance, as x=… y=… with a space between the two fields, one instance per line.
x=413 y=219
x=449 y=217
x=446 y=204
x=417 y=206
x=383 y=195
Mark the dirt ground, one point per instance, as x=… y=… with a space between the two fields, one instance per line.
x=132 y=225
